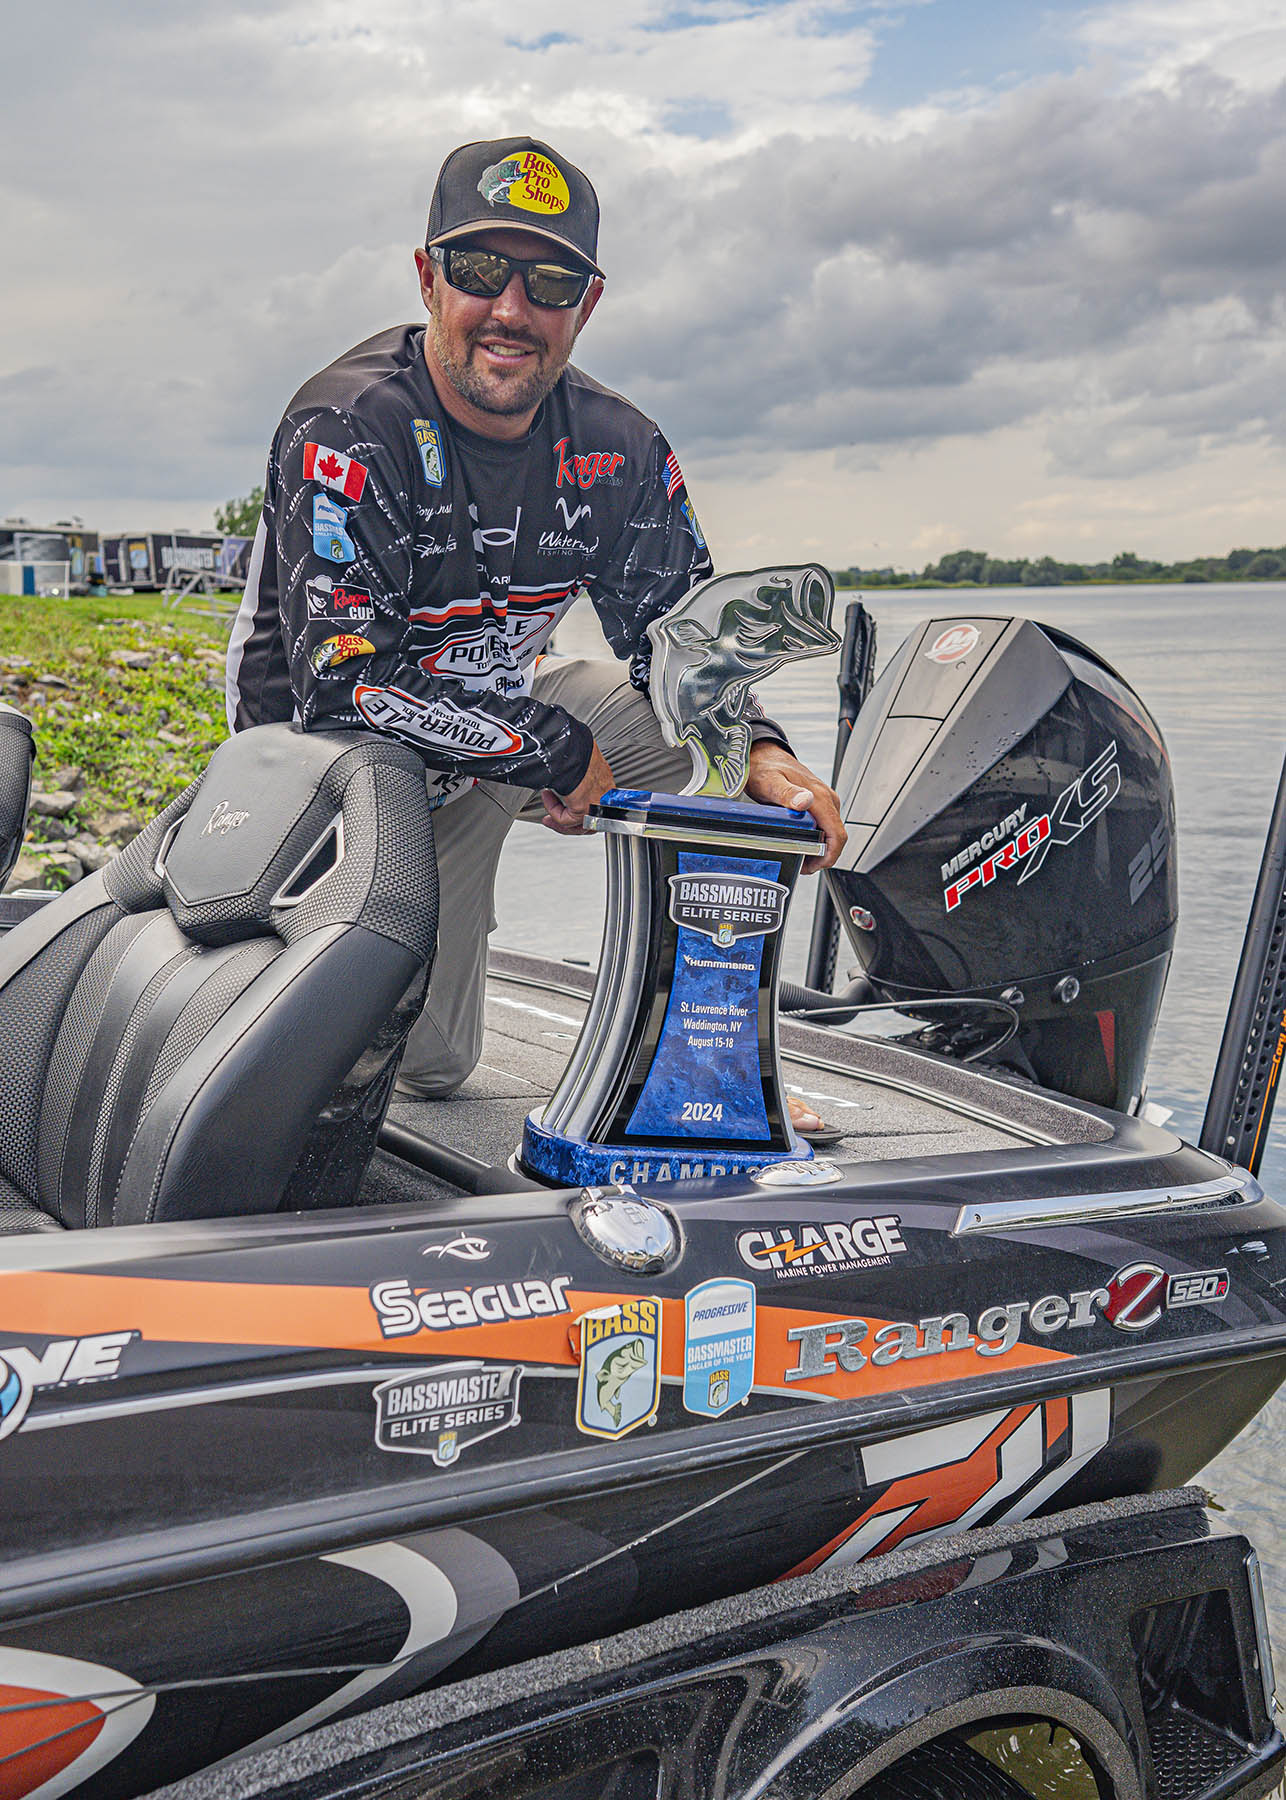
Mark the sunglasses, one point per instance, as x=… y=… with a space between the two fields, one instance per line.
x=486 y=274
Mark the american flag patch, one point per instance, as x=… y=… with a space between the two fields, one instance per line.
x=673 y=476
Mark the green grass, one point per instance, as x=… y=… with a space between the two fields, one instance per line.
x=107 y=721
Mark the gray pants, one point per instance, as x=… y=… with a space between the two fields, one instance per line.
x=445 y=1042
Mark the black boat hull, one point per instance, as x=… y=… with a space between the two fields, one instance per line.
x=244 y=1546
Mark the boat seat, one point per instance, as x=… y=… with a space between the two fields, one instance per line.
x=211 y=1024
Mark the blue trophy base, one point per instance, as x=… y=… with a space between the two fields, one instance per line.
x=676 y=1074
x=571 y=1162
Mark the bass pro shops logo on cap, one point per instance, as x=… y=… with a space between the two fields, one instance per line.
x=527 y=180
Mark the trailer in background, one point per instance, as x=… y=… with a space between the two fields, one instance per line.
x=234 y=561
x=84 y=555
x=39 y=553
x=160 y=559
x=33 y=560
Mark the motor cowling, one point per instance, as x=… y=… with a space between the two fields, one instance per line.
x=1010 y=810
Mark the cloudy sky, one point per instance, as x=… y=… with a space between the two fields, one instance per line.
x=895 y=276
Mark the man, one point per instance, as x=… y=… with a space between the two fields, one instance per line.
x=435 y=499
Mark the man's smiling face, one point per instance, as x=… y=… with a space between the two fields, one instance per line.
x=498 y=358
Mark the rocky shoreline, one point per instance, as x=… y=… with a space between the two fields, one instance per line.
x=142 y=701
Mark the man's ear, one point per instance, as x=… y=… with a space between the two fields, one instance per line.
x=426 y=270
x=593 y=294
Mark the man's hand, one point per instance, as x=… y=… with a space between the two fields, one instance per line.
x=566 y=814
x=779 y=779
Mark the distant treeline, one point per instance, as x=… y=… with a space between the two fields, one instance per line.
x=974 y=568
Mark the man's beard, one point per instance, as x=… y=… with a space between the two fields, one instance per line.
x=519 y=395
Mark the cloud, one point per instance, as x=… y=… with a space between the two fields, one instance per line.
x=209 y=202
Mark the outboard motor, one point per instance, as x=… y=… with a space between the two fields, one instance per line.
x=1011 y=836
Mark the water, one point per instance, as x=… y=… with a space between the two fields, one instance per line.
x=1208 y=662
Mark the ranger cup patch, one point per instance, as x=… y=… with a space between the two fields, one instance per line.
x=718 y=1346
x=728 y=907
x=428 y=441
x=339 y=649
x=329 y=599
x=441 y=1413
x=620 y=1368
x=440 y=723
x=529 y=181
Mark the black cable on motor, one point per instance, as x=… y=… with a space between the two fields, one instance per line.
x=839 y=1008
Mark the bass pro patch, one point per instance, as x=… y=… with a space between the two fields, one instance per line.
x=529 y=181
x=619 y=1387
x=339 y=649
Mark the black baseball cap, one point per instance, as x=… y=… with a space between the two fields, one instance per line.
x=521 y=184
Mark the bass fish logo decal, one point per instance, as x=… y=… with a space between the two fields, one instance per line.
x=529 y=181
x=620 y=1368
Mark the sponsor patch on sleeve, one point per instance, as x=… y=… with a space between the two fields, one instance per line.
x=439 y=723
x=330 y=539
x=329 y=599
x=428 y=441
x=335 y=470
x=339 y=649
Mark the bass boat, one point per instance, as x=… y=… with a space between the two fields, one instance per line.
x=310 y=1401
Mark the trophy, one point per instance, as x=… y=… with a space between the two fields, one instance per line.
x=676 y=1073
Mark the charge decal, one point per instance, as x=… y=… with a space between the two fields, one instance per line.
x=61 y=1720
x=995 y=1466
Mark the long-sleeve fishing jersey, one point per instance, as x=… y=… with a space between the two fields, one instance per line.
x=406 y=572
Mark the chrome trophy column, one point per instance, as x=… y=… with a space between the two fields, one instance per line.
x=676 y=1072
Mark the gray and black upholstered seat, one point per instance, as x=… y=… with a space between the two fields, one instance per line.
x=211 y=1024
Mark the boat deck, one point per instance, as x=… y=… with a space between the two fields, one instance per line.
x=889 y=1102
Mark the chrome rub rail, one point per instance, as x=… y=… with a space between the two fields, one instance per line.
x=1236 y=1189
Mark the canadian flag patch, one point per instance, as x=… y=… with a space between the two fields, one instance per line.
x=334 y=470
